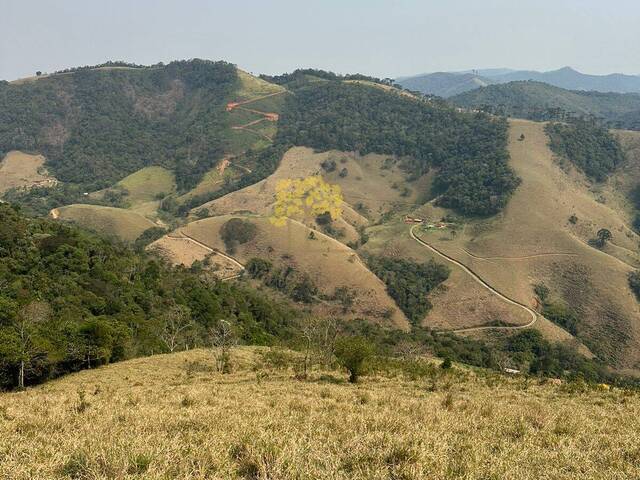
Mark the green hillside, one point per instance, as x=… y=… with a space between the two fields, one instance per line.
x=540 y=101
x=97 y=126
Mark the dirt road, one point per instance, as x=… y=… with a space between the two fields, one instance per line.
x=530 y=311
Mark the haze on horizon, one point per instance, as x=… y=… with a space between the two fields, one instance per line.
x=374 y=37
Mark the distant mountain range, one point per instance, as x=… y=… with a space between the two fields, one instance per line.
x=447 y=84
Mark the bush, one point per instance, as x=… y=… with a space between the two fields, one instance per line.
x=258 y=267
x=352 y=353
x=236 y=232
x=562 y=316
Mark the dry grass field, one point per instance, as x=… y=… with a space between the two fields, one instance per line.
x=115 y=222
x=175 y=417
x=22 y=170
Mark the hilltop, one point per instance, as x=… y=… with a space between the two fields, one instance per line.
x=176 y=416
x=540 y=101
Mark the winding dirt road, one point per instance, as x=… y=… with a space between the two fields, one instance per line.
x=217 y=252
x=530 y=311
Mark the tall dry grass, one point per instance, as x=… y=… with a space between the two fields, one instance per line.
x=173 y=416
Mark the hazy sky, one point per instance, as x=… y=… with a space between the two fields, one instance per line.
x=382 y=38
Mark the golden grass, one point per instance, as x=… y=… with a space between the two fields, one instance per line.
x=22 y=170
x=253 y=87
x=173 y=416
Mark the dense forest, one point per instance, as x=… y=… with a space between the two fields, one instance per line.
x=587 y=145
x=468 y=150
x=97 y=126
x=409 y=283
x=71 y=300
x=541 y=102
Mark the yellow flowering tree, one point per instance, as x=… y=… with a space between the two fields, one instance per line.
x=305 y=195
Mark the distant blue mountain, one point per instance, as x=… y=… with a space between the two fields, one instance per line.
x=447 y=84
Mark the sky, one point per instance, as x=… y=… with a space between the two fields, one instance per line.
x=382 y=38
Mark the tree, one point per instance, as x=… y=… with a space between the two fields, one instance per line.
x=634 y=283
x=352 y=353
x=602 y=237
x=177 y=321
x=319 y=336
x=223 y=338
x=27 y=338
x=236 y=232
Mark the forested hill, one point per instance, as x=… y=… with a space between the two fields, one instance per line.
x=540 y=101
x=468 y=150
x=95 y=126
x=71 y=300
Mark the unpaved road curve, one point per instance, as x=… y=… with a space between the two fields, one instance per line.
x=530 y=311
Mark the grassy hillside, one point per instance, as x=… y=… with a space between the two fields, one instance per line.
x=467 y=151
x=142 y=419
x=327 y=263
x=20 y=170
x=540 y=101
x=536 y=241
x=112 y=222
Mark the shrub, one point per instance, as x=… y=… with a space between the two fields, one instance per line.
x=258 y=267
x=563 y=316
x=352 y=353
x=328 y=165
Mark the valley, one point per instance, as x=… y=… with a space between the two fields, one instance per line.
x=522 y=224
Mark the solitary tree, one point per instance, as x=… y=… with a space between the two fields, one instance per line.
x=177 y=321
x=352 y=353
x=603 y=236
x=223 y=338
x=26 y=338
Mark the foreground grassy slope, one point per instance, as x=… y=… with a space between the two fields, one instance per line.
x=173 y=416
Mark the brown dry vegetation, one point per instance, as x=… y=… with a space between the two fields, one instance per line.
x=329 y=263
x=22 y=170
x=173 y=416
